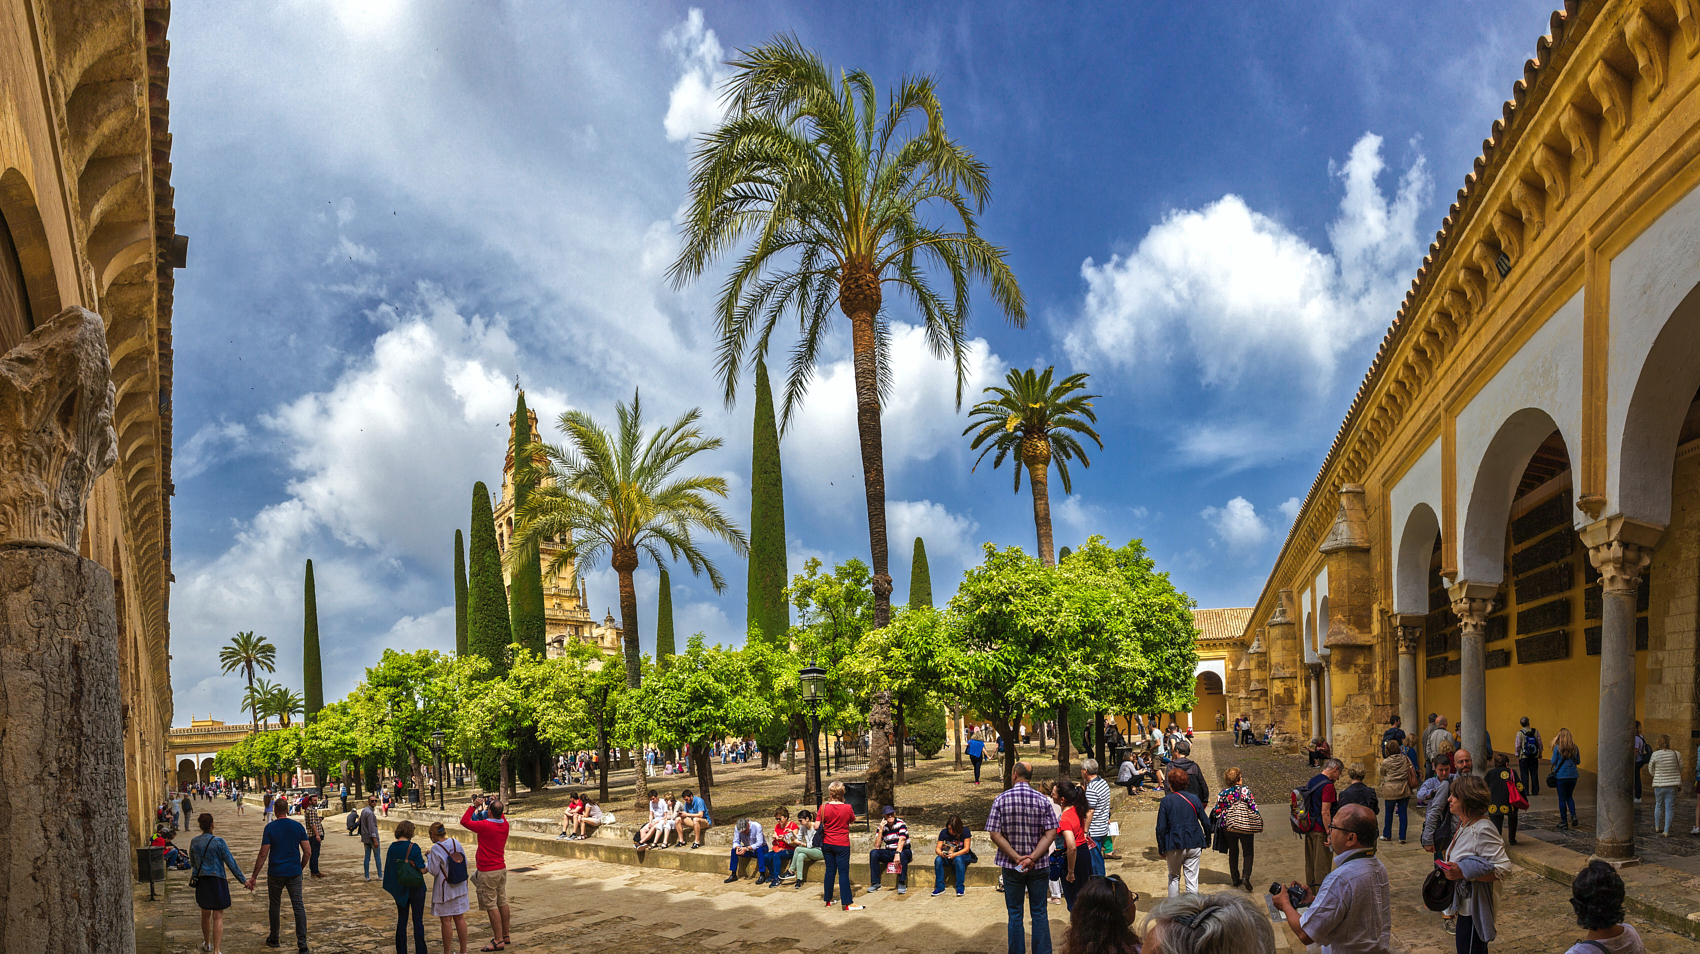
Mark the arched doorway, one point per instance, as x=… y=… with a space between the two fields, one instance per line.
x=1209 y=701
x=186 y=774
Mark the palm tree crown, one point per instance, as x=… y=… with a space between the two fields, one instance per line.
x=618 y=495
x=1037 y=421
x=831 y=195
x=248 y=652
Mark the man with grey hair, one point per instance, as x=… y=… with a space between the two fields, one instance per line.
x=1194 y=775
x=1319 y=799
x=1097 y=819
x=1352 y=912
x=1435 y=739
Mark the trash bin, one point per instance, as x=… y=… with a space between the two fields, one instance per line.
x=856 y=796
x=150 y=867
x=413 y=796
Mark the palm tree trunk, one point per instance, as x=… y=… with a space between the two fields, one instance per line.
x=625 y=562
x=253 y=707
x=1039 y=476
x=880 y=781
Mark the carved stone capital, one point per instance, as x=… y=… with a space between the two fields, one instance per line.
x=1409 y=638
x=1620 y=548
x=1315 y=669
x=56 y=436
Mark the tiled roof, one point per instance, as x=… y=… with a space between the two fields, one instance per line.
x=1215 y=624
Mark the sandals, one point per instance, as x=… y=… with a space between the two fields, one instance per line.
x=491 y=949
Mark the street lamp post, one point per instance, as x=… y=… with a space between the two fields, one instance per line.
x=437 y=763
x=813 y=679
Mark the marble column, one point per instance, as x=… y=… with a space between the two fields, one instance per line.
x=1620 y=549
x=1316 y=725
x=1471 y=603
x=1410 y=638
x=65 y=875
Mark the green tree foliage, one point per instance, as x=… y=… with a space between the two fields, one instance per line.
x=1063 y=554
x=767 y=611
x=313 y=680
x=248 y=654
x=664 y=646
x=1038 y=422
x=927 y=728
x=460 y=595
x=705 y=694
x=488 y=631
x=920 y=577
x=525 y=569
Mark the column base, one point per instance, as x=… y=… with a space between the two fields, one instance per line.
x=1624 y=856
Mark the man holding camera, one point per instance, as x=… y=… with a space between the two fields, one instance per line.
x=491 y=878
x=1352 y=912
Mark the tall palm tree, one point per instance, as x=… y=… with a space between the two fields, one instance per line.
x=260 y=697
x=248 y=652
x=833 y=195
x=1038 y=423
x=618 y=496
x=284 y=703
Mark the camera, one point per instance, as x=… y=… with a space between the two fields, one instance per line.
x=1295 y=893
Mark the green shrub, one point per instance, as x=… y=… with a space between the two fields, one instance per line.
x=927 y=728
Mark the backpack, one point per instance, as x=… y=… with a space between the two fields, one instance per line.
x=1531 y=745
x=457 y=864
x=1306 y=812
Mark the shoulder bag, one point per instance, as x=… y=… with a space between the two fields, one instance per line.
x=409 y=876
x=1242 y=820
x=1437 y=890
x=457 y=864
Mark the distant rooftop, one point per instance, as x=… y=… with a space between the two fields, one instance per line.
x=1215 y=624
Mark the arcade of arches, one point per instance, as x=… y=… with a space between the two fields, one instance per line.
x=1508 y=523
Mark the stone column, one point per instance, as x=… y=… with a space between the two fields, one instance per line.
x=1316 y=727
x=1471 y=603
x=1283 y=666
x=1350 y=684
x=1620 y=549
x=1410 y=637
x=65 y=875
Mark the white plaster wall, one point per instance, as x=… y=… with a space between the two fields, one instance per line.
x=1544 y=377
x=1648 y=281
x=1420 y=487
x=1321 y=634
x=1217 y=666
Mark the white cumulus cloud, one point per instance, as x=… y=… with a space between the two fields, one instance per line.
x=1237 y=524
x=1290 y=508
x=694 y=105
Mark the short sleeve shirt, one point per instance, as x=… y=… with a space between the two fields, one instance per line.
x=1352 y=913
x=1098 y=797
x=895 y=832
x=1022 y=816
x=952 y=842
x=284 y=836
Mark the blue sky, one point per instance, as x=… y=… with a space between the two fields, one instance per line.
x=398 y=207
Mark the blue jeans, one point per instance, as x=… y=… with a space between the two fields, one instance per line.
x=959 y=865
x=772 y=863
x=1566 y=799
x=372 y=855
x=760 y=855
x=1664 y=807
x=837 y=861
x=313 y=864
x=1390 y=806
x=1032 y=884
x=413 y=901
x=880 y=857
x=1095 y=855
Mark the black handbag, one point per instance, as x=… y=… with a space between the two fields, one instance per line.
x=1437 y=890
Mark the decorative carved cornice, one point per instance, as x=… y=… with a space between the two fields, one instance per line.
x=56 y=434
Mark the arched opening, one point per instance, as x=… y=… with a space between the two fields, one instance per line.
x=1498 y=481
x=1411 y=568
x=1660 y=416
x=186 y=774
x=1210 y=703
x=29 y=291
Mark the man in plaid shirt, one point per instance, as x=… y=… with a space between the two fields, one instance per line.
x=1022 y=824
x=315 y=832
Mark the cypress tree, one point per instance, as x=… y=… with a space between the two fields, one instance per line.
x=920 y=578
x=664 y=623
x=312 y=674
x=1064 y=554
x=460 y=595
x=525 y=588
x=487 y=625
x=766 y=609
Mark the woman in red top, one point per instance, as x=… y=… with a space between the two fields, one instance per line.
x=779 y=852
x=1077 y=866
x=835 y=819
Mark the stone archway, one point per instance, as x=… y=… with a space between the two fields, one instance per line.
x=1209 y=701
x=1493 y=486
x=187 y=773
x=1653 y=420
x=1412 y=561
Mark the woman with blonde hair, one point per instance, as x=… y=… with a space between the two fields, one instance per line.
x=835 y=819
x=449 y=897
x=1394 y=786
x=1566 y=760
x=1666 y=766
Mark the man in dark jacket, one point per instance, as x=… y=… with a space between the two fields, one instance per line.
x=1195 y=775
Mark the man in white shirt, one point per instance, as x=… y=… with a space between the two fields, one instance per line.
x=747 y=842
x=1352 y=911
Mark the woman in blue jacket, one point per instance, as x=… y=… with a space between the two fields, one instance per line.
x=1180 y=833
x=209 y=859
x=1566 y=759
x=410 y=895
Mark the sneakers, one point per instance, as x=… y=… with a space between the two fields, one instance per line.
x=902 y=889
x=272 y=942
x=959 y=893
x=936 y=893
x=1695 y=830
x=873 y=887
x=855 y=907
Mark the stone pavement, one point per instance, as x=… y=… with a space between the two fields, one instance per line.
x=596 y=906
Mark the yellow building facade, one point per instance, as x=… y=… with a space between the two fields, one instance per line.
x=566 y=599
x=1508 y=522
x=87 y=219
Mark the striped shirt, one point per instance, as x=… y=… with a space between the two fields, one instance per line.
x=1098 y=799
x=1022 y=816
x=894 y=831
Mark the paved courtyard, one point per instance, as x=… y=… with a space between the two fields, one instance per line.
x=591 y=906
